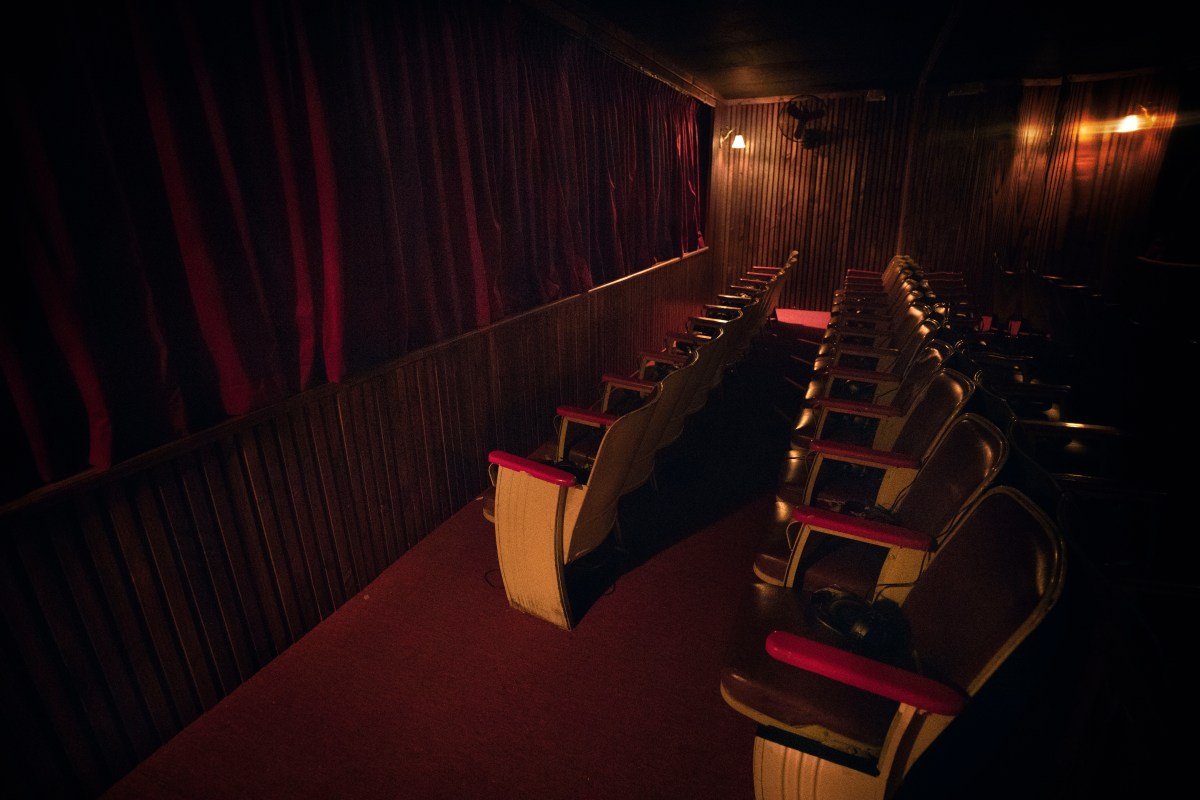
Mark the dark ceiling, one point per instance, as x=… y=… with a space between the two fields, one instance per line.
x=743 y=49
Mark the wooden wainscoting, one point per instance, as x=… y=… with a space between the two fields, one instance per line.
x=135 y=599
x=984 y=181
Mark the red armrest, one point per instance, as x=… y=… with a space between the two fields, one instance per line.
x=535 y=468
x=863 y=528
x=865 y=673
x=847 y=450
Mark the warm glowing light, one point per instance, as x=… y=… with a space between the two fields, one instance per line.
x=1130 y=123
x=738 y=142
x=1030 y=135
x=1136 y=121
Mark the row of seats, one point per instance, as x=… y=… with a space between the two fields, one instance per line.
x=556 y=505
x=913 y=547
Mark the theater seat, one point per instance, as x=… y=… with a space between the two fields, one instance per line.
x=897 y=390
x=910 y=427
x=850 y=537
x=841 y=719
x=547 y=516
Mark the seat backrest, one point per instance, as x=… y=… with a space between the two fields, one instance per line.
x=928 y=362
x=931 y=414
x=987 y=403
x=754 y=316
x=909 y=325
x=915 y=342
x=1023 y=472
x=591 y=509
x=709 y=361
x=993 y=582
x=962 y=465
x=670 y=393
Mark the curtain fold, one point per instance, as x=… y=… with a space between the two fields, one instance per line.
x=222 y=204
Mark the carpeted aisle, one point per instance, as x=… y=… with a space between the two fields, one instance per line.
x=428 y=685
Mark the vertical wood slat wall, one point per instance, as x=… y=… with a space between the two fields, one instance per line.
x=133 y=601
x=1012 y=178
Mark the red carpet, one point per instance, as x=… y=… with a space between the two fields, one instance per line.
x=428 y=685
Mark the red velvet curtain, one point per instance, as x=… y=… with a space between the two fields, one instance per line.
x=221 y=204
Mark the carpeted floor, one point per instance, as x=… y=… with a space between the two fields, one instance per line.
x=428 y=685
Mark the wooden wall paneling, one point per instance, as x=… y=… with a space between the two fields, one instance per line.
x=1122 y=183
x=37 y=608
x=41 y=685
x=714 y=214
x=358 y=416
x=242 y=627
x=108 y=639
x=404 y=454
x=1027 y=179
x=624 y=316
x=706 y=276
x=822 y=199
x=147 y=696
x=762 y=213
x=1047 y=233
x=741 y=182
x=1022 y=196
x=91 y=653
x=212 y=654
x=441 y=418
x=178 y=607
x=426 y=429
x=419 y=436
x=34 y=761
x=527 y=388
x=146 y=564
x=452 y=410
x=782 y=207
x=319 y=424
x=829 y=203
x=641 y=319
x=686 y=285
x=249 y=561
x=330 y=574
x=470 y=426
x=953 y=222
x=866 y=118
x=579 y=351
x=755 y=176
x=274 y=527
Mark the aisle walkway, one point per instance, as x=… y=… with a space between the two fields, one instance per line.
x=427 y=685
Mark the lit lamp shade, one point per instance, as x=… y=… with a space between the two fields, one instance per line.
x=738 y=142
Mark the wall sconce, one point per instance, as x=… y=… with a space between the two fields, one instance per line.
x=738 y=142
x=1138 y=119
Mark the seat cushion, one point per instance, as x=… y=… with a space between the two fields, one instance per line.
x=790 y=698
